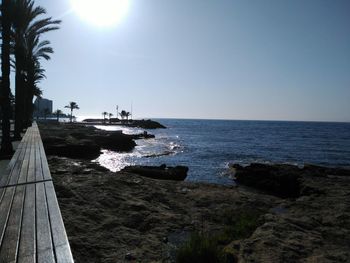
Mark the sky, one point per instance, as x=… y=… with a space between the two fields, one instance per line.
x=209 y=59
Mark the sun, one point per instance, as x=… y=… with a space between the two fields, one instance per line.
x=102 y=13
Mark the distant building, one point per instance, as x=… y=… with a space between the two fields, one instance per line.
x=42 y=107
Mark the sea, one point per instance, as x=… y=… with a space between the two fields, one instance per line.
x=209 y=147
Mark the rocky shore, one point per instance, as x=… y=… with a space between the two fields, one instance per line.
x=143 y=124
x=303 y=214
x=85 y=142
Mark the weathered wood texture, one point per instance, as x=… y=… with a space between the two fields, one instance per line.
x=31 y=225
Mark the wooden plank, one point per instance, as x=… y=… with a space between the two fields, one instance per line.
x=8 y=252
x=16 y=160
x=31 y=225
x=38 y=167
x=43 y=232
x=31 y=167
x=8 y=195
x=27 y=245
x=14 y=157
x=25 y=164
x=16 y=172
x=59 y=236
x=45 y=166
x=5 y=208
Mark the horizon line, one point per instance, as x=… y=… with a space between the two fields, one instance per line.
x=224 y=119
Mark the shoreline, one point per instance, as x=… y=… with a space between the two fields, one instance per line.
x=149 y=219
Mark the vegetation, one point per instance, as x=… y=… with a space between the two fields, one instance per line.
x=124 y=115
x=27 y=28
x=46 y=112
x=6 y=145
x=104 y=114
x=199 y=248
x=72 y=106
x=211 y=248
x=22 y=26
x=110 y=115
x=58 y=113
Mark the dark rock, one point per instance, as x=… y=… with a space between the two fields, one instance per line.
x=80 y=141
x=145 y=124
x=144 y=135
x=319 y=171
x=178 y=173
x=279 y=180
x=129 y=257
x=84 y=149
x=114 y=141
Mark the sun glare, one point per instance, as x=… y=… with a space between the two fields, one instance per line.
x=101 y=13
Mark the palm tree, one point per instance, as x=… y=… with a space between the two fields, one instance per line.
x=125 y=114
x=6 y=145
x=110 y=116
x=122 y=114
x=58 y=113
x=26 y=22
x=72 y=105
x=36 y=50
x=104 y=116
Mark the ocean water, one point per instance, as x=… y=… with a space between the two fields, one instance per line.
x=207 y=147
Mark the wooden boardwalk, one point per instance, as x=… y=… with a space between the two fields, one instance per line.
x=31 y=225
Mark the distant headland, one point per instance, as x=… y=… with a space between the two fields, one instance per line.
x=144 y=124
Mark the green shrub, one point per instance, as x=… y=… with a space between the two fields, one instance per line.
x=238 y=226
x=199 y=248
x=203 y=248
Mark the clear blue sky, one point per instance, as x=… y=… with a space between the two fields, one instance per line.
x=224 y=59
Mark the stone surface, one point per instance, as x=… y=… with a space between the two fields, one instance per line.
x=177 y=173
x=108 y=215
x=79 y=141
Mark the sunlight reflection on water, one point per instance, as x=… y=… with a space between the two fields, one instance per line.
x=125 y=130
x=147 y=151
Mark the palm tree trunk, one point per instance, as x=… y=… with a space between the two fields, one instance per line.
x=71 y=115
x=19 y=96
x=6 y=145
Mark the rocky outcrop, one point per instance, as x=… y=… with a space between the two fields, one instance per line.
x=71 y=148
x=283 y=180
x=279 y=180
x=315 y=227
x=146 y=124
x=79 y=141
x=177 y=173
x=143 y=135
x=134 y=215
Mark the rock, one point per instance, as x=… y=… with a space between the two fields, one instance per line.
x=144 y=135
x=85 y=149
x=79 y=141
x=279 y=180
x=146 y=124
x=129 y=257
x=114 y=141
x=178 y=173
